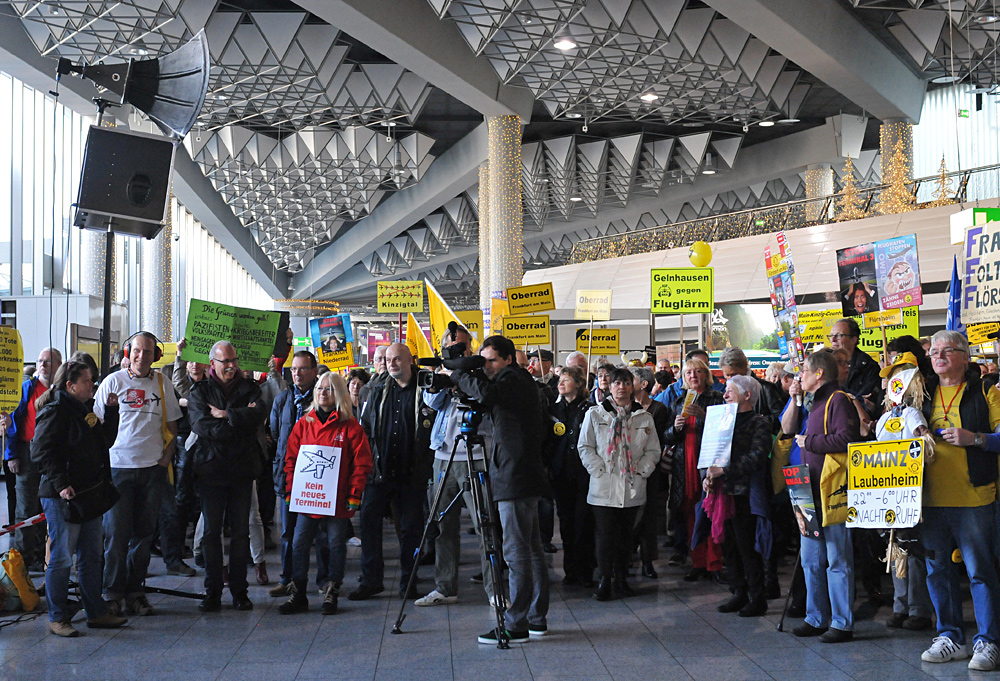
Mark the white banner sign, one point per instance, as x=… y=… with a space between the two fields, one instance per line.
x=717 y=438
x=317 y=475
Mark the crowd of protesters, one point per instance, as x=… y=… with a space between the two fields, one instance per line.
x=611 y=451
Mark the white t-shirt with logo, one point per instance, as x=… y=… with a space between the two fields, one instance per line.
x=140 y=407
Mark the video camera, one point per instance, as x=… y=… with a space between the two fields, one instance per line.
x=453 y=359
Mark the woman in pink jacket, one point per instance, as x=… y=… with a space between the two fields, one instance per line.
x=331 y=478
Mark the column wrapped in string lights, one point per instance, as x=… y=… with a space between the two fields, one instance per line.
x=819 y=183
x=506 y=215
x=92 y=252
x=157 y=281
x=895 y=130
x=896 y=150
x=484 y=239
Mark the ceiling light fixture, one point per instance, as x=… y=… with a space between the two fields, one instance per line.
x=986 y=19
x=708 y=171
x=766 y=124
x=138 y=51
x=788 y=121
x=573 y=115
x=945 y=80
x=575 y=199
x=693 y=124
x=649 y=97
x=564 y=44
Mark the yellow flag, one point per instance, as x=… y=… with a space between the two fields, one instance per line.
x=415 y=339
x=441 y=313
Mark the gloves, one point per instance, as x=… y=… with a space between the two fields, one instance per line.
x=353 y=503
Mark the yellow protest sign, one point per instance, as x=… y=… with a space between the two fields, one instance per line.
x=337 y=359
x=876 y=320
x=528 y=330
x=400 y=296
x=11 y=368
x=820 y=322
x=533 y=298
x=815 y=325
x=594 y=304
x=169 y=354
x=605 y=341
x=473 y=321
x=884 y=483
x=979 y=333
x=498 y=310
x=682 y=290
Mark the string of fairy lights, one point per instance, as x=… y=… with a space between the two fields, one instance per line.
x=484 y=236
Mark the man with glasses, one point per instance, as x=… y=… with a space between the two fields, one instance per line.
x=139 y=459
x=958 y=499
x=226 y=412
x=862 y=378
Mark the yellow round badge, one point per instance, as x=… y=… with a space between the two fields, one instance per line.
x=92 y=419
x=559 y=428
x=890 y=517
x=894 y=425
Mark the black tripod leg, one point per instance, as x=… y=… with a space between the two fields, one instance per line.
x=482 y=499
x=788 y=598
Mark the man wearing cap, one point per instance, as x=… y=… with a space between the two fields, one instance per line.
x=540 y=368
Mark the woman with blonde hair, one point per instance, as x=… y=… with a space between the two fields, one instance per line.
x=330 y=432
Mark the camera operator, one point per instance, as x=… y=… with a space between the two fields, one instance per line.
x=508 y=394
x=446 y=428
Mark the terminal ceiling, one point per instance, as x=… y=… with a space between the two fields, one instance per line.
x=346 y=135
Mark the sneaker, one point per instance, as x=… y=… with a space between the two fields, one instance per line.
x=64 y=629
x=116 y=607
x=138 y=605
x=435 y=598
x=107 y=621
x=985 y=656
x=513 y=637
x=354 y=541
x=330 y=598
x=296 y=603
x=280 y=590
x=182 y=569
x=538 y=630
x=943 y=649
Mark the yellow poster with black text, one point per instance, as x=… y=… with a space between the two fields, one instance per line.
x=979 y=333
x=605 y=341
x=529 y=299
x=528 y=330
x=884 y=483
x=11 y=368
x=820 y=322
x=400 y=296
x=498 y=310
x=473 y=321
x=682 y=290
x=337 y=360
x=593 y=304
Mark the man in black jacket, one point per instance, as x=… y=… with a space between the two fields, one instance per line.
x=518 y=480
x=226 y=412
x=863 y=378
x=398 y=426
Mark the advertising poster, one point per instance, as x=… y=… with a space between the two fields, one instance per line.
x=858 y=279
x=898 y=272
x=884 y=483
x=717 y=440
x=376 y=339
x=314 y=485
x=11 y=369
x=803 y=504
x=252 y=333
x=332 y=337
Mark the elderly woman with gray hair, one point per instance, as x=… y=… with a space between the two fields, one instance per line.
x=743 y=500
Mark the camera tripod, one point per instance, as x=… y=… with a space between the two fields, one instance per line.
x=478 y=483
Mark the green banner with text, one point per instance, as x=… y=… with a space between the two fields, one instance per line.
x=252 y=333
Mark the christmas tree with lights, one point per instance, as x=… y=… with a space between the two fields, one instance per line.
x=943 y=194
x=896 y=198
x=850 y=205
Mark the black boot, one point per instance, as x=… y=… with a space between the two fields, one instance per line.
x=735 y=603
x=605 y=590
x=755 y=607
x=330 y=599
x=623 y=588
x=297 y=601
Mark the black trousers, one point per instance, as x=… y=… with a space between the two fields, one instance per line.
x=746 y=567
x=645 y=531
x=216 y=502
x=613 y=537
x=576 y=524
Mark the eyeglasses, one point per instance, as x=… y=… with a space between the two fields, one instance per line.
x=945 y=353
x=838 y=336
x=225 y=361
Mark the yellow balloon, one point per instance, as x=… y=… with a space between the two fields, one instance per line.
x=700 y=254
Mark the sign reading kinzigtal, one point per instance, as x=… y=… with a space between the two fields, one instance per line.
x=400 y=296
x=528 y=330
x=682 y=290
x=252 y=333
x=884 y=483
x=533 y=298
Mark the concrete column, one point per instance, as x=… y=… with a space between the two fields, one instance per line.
x=819 y=183
x=484 y=241
x=505 y=213
x=157 y=283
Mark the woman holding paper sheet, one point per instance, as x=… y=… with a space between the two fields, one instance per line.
x=327 y=433
x=687 y=421
x=619 y=447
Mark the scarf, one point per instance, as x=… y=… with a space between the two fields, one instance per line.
x=303 y=400
x=227 y=388
x=619 y=453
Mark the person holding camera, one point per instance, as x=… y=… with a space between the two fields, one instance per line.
x=508 y=394
x=446 y=428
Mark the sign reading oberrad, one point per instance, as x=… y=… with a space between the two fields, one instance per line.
x=594 y=305
x=682 y=290
x=600 y=342
x=533 y=298
x=884 y=483
x=528 y=330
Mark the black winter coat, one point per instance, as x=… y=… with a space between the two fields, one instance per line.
x=563 y=457
x=227 y=450
x=749 y=454
x=71 y=444
x=518 y=415
x=676 y=439
x=415 y=471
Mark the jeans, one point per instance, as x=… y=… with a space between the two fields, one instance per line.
x=546 y=519
x=69 y=539
x=30 y=541
x=216 y=502
x=128 y=529
x=409 y=502
x=971 y=530
x=613 y=536
x=576 y=524
x=448 y=544
x=338 y=530
x=288 y=522
x=746 y=566
x=529 y=574
x=828 y=565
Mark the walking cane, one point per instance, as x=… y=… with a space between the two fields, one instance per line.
x=788 y=598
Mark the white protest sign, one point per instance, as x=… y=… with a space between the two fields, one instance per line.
x=317 y=475
x=717 y=438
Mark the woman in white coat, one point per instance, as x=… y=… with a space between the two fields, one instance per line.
x=620 y=448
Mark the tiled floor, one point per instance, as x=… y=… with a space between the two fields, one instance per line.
x=670 y=631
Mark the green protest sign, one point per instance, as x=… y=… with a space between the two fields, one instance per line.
x=252 y=332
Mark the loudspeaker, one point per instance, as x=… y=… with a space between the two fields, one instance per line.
x=125 y=182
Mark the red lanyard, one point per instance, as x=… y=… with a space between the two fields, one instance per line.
x=948 y=408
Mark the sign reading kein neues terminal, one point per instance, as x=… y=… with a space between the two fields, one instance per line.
x=533 y=298
x=528 y=330
x=594 y=305
x=400 y=296
x=682 y=290
x=884 y=483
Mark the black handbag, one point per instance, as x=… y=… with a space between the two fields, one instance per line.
x=90 y=503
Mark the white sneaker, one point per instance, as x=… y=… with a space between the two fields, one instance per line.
x=985 y=656
x=354 y=541
x=943 y=649
x=435 y=598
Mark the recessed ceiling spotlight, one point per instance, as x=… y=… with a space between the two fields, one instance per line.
x=573 y=115
x=708 y=171
x=564 y=44
x=986 y=19
x=944 y=80
x=693 y=124
x=388 y=124
x=527 y=21
x=788 y=121
x=221 y=97
x=575 y=199
x=766 y=124
x=53 y=10
x=649 y=97
x=138 y=51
